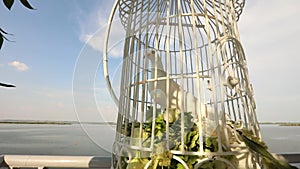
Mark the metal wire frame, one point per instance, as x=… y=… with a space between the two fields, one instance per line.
x=125 y=7
x=199 y=48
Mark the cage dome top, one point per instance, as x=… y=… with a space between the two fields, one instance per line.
x=128 y=7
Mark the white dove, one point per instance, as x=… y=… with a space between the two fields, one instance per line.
x=158 y=93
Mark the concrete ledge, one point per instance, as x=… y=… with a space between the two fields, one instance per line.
x=42 y=161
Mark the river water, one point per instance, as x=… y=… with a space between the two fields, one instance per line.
x=97 y=140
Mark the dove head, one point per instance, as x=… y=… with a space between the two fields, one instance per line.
x=150 y=54
x=154 y=59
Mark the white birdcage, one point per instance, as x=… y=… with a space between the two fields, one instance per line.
x=185 y=86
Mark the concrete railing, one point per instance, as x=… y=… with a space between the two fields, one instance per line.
x=43 y=161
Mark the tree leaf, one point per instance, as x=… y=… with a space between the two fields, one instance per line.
x=2 y=31
x=1 y=41
x=8 y=3
x=6 y=85
x=2 y=37
x=26 y=4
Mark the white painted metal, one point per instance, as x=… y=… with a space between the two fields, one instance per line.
x=187 y=55
x=42 y=161
x=105 y=57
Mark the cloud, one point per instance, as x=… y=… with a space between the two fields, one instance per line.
x=54 y=93
x=93 y=31
x=19 y=66
x=60 y=105
x=270 y=37
x=268 y=21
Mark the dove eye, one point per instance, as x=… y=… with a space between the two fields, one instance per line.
x=153 y=52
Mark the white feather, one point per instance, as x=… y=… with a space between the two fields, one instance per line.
x=178 y=98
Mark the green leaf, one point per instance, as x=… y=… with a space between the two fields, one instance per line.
x=137 y=163
x=180 y=166
x=26 y=4
x=8 y=3
x=194 y=140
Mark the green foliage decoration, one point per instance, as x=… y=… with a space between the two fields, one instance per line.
x=161 y=155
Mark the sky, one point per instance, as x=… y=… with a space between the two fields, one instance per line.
x=56 y=60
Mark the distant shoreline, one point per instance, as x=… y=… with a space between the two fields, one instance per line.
x=35 y=122
x=114 y=123
x=281 y=123
x=55 y=122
